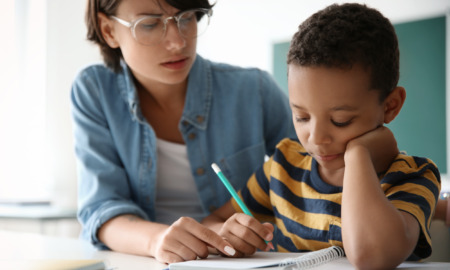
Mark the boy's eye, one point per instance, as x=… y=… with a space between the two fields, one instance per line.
x=341 y=124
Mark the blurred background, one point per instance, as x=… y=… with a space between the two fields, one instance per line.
x=44 y=46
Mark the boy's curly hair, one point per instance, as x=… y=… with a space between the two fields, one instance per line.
x=343 y=35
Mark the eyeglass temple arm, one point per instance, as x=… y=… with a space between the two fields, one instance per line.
x=123 y=22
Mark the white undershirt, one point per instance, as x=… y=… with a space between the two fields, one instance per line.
x=176 y=192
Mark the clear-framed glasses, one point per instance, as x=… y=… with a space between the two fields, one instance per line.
x=151 y=29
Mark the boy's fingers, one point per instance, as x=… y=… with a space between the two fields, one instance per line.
x=263 y=231
x=249 y=232
x=270 y=228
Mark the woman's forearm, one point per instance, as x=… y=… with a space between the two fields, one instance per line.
x=131 y=234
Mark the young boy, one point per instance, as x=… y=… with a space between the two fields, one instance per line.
x=344 y=183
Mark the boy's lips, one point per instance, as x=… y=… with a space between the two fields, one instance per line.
x=327 y=157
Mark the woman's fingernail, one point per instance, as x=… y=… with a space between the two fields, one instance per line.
x=229 y=250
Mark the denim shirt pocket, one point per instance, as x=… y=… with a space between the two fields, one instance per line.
x=239 y=166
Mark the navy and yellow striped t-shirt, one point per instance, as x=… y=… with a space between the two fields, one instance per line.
x=289 y=192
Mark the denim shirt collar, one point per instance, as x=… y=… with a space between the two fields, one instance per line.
x=129 y=92
x=198 y=97
x=199 y=94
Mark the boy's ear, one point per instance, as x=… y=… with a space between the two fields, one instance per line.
x=107 y=29
x=394 y=103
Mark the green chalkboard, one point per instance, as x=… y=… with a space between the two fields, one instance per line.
x=420 y=128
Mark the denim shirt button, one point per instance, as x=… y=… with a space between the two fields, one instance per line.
x=192 y=136
x=200 y=119
x=185 y=123
x=200 y=171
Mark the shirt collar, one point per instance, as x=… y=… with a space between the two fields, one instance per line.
x=199 y=94
x=129 y=92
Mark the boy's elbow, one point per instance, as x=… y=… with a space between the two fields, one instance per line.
x=368 y=260
x=373 y=257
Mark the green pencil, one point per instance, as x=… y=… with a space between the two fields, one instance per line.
x=233 y=193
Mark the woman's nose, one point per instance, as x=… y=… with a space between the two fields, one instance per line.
x=173 y=40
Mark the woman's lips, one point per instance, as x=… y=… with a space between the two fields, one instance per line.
x=176 y=64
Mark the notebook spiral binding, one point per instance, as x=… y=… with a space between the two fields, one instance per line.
x=314 y=258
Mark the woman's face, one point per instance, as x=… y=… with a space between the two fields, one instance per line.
x=165 y=63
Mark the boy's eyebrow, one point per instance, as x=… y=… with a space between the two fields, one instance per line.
x=343 y=108
x=336 y=108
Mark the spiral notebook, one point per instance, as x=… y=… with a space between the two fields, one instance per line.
x=264 y=261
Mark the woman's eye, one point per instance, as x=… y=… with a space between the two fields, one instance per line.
x=301 y=119
x=187 y=17
x=341 y=124
x=149 y=24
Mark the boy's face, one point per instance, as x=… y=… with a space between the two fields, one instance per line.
x=330 y=107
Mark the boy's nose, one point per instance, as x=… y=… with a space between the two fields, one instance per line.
x=319 y=134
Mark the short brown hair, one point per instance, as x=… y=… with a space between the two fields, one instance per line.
x=112 y=56
x=344 y=35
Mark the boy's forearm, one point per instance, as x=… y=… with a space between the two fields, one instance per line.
x=374 y=232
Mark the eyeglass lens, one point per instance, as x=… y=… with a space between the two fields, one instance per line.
x=150 y=30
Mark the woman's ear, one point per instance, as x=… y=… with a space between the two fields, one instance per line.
x=107 y=29
x=394 y=103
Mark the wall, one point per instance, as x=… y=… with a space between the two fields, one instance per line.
x=243 y=31
x=67 y=52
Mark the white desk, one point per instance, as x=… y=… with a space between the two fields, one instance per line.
x=26 y=246
x=39 y=218
x=35 y=212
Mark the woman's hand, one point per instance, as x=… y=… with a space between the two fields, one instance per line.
x=186 y=239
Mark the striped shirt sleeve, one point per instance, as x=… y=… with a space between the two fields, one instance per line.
x=412 y=184
x=255 y=194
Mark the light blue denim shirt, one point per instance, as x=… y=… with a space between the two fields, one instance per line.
x=232 y=116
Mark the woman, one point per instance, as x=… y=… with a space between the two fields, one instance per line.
x=149 y=123
x=443 y=208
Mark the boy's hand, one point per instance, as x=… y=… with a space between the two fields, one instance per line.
x=381 y=145
x=246 y=234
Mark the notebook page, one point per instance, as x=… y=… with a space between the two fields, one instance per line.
x=259 y=259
